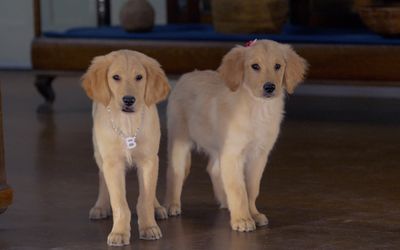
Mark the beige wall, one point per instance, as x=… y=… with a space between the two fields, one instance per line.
x=16 y=23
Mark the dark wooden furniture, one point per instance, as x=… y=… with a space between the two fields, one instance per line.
x=328 y=61
x=187 y=14
x=6 y=193
x=43 y=82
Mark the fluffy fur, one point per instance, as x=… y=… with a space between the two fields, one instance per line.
x=227 y=114
x=111 y=154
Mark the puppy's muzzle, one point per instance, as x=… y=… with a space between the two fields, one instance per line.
x=128 y=102
x=269 y=89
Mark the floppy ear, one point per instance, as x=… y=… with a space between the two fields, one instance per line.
x=157 y=87
x=94 y=81
x=232 y=68
x=295 y=70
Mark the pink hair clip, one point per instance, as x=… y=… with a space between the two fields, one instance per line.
x=250 y=43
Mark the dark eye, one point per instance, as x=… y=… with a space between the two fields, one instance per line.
x=277 y=66
x=255 y=66
x=116 y=77
x=139 y=77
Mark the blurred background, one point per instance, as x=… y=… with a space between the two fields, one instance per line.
x=17 y=22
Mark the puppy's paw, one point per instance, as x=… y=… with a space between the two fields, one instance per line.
x=150 y=233
x=174 y=210
x=243 y=225
x=223 y=206
x=98 y=213
x=260 y=219
x=161 y=213
x=118 y=239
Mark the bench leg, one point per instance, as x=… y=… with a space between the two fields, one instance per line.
x=43 y=84
x=6 y=197
x=6 y=193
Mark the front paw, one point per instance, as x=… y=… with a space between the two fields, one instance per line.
x=150 y=233
x=118 y=239
x=98 y=213
x=174 y=210
x=260 y=219
x=161 y=213
x=243 y=224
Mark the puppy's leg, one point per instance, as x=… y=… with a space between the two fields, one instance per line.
x=235 y=188
x=147 y=174
x=160 y=211
x=215 y=173
x=178 y=169
x=254 y=170
x=114 y=175
x=102 y=207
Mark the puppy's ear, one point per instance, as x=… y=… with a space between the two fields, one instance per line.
x=295 y=69
x=231 y=69
x=94 y=81
x=157 y=87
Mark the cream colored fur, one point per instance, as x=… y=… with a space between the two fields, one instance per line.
x=111 y=154
x=226 y=114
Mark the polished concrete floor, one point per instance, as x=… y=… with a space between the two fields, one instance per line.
x=332 y=180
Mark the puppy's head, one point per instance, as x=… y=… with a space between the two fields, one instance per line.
x=266 y=68
x=127 y=79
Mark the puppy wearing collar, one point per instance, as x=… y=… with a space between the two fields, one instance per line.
x=125 y=87
x=234 y=115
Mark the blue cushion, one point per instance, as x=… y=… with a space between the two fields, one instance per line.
x=204 y=32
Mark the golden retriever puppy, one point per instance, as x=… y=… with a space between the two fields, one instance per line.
x=234 y=115
x=125 y=86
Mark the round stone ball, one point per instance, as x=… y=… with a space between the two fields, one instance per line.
x=137 y=16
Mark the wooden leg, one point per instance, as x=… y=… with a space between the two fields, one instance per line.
x=43 y=84
x=6 y=197
x=6 y=193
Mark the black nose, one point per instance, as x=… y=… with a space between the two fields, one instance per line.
x=269 y=88
x=128 y=100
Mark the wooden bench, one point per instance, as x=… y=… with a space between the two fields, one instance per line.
x=367 y=62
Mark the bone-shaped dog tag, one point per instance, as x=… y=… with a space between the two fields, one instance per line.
x=130 y=142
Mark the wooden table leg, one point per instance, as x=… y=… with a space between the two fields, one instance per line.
x=43 y=84
x=6 y=193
